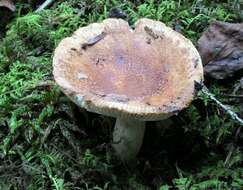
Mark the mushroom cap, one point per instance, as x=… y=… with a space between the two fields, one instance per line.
x=148 y=73
x=8 y=4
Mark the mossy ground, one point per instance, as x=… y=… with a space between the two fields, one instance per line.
x=46 y=142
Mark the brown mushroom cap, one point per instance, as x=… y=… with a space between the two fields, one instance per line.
x=147 y=73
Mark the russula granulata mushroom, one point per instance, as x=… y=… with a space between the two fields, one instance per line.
x=139 y=75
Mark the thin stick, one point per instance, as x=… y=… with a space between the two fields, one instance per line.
x=46 y=4
x=232 y=114
x=232 y=95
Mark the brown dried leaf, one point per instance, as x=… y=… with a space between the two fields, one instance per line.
x=221 y=49
x=8 y=4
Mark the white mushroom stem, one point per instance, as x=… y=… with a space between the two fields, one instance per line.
x=128 y=138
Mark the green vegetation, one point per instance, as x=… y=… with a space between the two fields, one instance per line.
x=46 y=142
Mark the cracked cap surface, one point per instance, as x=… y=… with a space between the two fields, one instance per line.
x=147 y=73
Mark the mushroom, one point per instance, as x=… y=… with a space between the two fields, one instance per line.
x=7 y=9
x=139 y=75
x=8 y=4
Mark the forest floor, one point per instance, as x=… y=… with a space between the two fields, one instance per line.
x=47 y=142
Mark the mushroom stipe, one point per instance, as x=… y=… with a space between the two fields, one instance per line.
x=135 y=75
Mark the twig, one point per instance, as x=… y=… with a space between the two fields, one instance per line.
x=232 y=114
x=232 y=95
x=46 y=4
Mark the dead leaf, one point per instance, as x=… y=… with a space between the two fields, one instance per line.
x=8 y=4
x=221 y=49
x=117 y=13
